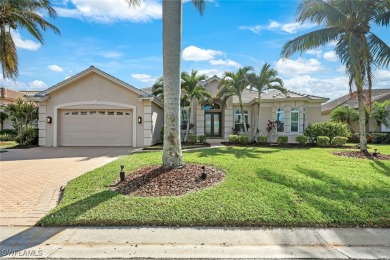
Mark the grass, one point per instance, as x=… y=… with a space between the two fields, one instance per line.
x=263 y=187
x=7 y=144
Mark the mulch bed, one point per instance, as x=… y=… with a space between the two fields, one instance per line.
x=363 y=155
x=155 y=181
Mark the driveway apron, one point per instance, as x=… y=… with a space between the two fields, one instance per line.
x=31 y=179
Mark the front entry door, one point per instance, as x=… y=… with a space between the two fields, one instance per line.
x=212 y=124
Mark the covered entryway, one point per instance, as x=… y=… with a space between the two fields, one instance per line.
x=95 y=127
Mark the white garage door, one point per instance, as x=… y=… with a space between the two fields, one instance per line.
x=95 y=127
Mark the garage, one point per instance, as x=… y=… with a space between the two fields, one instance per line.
x=95 y=127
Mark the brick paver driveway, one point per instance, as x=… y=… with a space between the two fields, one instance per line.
x=30 y=179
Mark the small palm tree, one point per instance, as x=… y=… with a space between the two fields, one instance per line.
x=16 y=14
x=381 y=114
x=233 y=84
x=346 y=115
x=266 y=80
x=172 y=20
x=349 y=24
x=3 y=117
x=192 y=89
x=158 y=88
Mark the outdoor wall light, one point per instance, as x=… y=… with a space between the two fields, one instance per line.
x=49 y=119
x=139 y=120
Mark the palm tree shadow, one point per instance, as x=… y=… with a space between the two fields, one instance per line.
x=38 y=235
x=247 y=152
x=381 y=167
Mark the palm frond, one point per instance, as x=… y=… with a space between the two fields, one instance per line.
x=319 y=12
x=379 y=49
x=200 y=5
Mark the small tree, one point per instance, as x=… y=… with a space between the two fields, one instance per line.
x=380 y=113
x=22 y=114
x=346 y=115
x=3 y=117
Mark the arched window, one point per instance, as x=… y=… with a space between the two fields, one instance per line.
x=280 y=119
x=212 y=106
x=237 y=119
x=294 y=120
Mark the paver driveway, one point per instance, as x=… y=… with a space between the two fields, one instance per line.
x=30 y=179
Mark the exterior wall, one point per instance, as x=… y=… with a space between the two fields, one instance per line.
x=157 y=123
x=42 y=124
x=94 y=90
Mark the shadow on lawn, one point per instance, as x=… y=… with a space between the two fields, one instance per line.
x=340 y=202
x=381 y=167
x=245 y=152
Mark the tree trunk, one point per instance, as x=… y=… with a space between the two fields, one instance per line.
x=172 y=12
x=258 y=117
x=188 y=122
x=242 y=115
x=362 y=119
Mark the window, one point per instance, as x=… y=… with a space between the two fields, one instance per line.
x=280 y=119
x=66 y=113
x=184 y=116
x=102 y=112
x=237 y=119
x=294 y=120
x=128 y=114
x=110 y=113
x=92 y=112
x=83 y=113
x=119 y=113
x=212 y=106
x=75 y=113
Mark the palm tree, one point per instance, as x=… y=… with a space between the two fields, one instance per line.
x=172 y=14
x=158 y=88
x=348 y=23
x=192 y=89
x=3 y=117
x=233 y=84
x=266 y=80
x=346 y=115
x=381 y=114
x=16 y=14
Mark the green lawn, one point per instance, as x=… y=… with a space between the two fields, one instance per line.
x=263 y=187
x=7 y=144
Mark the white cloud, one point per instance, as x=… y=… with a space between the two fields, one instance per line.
x=227 y=63
x=211 y=72
x=16 y=85
x=24 y=43
x=316 y=52
x=193 y=53
x=297 y=67
x=330 y=56
x=55 y=68
x=108 y=11
x=110 y=54
x=146 y=78
x=290 y=28
x=382 y=75
x=37 y=84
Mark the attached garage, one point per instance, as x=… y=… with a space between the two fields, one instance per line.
x=83 y=127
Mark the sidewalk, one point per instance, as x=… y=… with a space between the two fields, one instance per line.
x=197 y=242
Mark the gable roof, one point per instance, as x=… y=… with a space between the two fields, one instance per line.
x=85 y=72
x=351 y=99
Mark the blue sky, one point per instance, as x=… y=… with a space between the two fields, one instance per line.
x=126 y=43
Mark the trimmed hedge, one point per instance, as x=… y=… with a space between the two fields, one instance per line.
x=202 y=138
x=282 y=140
x=192 y=138
x=233 y=138
x=323 y=140
x=376 y=138
x=262 y=139
x=302 y=140
x=339 y=141
x=329 y=129
x=243 y=139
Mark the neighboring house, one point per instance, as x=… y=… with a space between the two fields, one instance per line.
x=94 y=108
x=8 y=96
x=378 y=95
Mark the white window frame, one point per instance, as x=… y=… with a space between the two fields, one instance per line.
x=237 y=115
x=294 y=111
x=280 y=111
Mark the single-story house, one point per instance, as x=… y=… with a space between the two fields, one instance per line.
x=377 y=95
x=94 y=108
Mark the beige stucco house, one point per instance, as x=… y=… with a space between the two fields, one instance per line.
x=94 y=108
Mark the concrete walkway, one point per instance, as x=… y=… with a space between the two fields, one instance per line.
x=161 y=242
x=30 y=179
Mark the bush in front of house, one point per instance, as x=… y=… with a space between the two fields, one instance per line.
x=243 y=139
x=329 y=129
x=202 y=138
x=323 y=141
x=8 y=135
x=282 y=140
x=376 y=138
x=262 y=139
x=192 y=138
x=302 y=140
x=233 y=138
x=28 y=136
x=339 y=141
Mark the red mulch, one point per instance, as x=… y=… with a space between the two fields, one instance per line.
x=155 y=181
x=363 y=155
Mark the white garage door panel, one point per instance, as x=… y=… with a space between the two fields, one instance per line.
x=95 y=129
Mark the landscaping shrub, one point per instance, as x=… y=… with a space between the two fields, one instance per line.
x=302 y=140
x=339 y=140
x=8 y=135
x=202 y=138
x=262 y=139
x=192 y=138
x=377 y=138
x=8 y=131
x=329 y=129
x=28 y=136
x=243 y=139
x=323 y=140
x=282 y=140
x=233 y=138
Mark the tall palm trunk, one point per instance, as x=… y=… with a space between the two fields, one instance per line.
x=172 y=12
x=188 y=122
x=258 y=117
x=242 y=115
x=362 y=118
